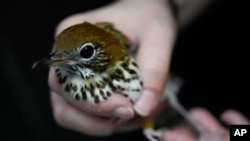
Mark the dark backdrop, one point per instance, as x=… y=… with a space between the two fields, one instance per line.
x=210 y=55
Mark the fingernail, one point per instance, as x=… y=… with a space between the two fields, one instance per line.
x=124 y=113
x=146 y=103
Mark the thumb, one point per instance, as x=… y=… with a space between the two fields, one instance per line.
x=153 y=59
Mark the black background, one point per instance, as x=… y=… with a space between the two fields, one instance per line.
x=211 y=56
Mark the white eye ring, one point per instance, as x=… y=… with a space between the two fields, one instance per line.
x=87 y=51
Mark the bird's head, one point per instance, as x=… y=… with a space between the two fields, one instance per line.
x=86 y=46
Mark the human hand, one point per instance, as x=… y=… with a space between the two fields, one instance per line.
x=146 y=23
x=213 y=130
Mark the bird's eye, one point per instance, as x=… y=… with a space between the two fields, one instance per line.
x=87 y=50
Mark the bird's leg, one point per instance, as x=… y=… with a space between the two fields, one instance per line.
x=172 y=87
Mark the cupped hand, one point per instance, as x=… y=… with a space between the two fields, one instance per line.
x=148 y=24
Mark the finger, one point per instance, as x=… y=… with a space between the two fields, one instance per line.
x=207 y=120
x=213 y=130
x=153 y=59
x=234 y=117
x=117 y=105
x=68 y=116
x=133 y=124
x=177 y=134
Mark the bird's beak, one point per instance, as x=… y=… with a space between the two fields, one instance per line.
x=53 y=60
x=43 y=61
x=63 y=62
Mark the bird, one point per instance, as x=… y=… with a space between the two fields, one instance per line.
x=93 y=61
